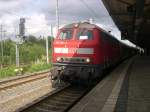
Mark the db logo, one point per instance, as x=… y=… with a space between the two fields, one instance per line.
x=72 y=50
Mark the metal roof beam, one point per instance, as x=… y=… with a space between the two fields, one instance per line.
x=124 y=2
x=119 y=13
x=140 y=4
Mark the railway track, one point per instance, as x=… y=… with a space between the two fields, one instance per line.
x=36 y=95
x=60 y=101
x=18 y=80
x=23 y=89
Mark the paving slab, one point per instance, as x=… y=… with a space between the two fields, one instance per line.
x=104 y=96
x=126 y=89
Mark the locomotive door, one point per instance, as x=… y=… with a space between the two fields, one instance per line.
x=103 y=49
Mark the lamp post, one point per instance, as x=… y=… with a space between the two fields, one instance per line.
x=1 y=47
x=19 y=38
x=47 y=54
x=57 y=15
x=2 y=35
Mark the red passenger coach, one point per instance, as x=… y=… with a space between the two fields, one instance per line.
x=82 y=50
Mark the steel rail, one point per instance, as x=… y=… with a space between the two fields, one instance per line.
x=59 y=100
x=18 y=80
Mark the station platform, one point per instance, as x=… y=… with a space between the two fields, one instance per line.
x=126 y=89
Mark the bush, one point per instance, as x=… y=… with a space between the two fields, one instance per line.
x=6 y=72
x=39 y=67
x=10 y=71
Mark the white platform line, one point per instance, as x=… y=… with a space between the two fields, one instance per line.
x=112 y=99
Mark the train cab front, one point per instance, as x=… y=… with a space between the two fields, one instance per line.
x=74 y=52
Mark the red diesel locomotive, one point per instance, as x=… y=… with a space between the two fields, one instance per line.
x=82 y=50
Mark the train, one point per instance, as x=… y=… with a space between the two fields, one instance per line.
x=81 y=51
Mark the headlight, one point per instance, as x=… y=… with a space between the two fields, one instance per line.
x=88 y=60
x=58 y=59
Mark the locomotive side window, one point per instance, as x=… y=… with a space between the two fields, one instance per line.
x=84 y=34
x=65 y=35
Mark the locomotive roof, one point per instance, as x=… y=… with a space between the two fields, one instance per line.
x=81 y=25
x=85 y=25
x=91 y=26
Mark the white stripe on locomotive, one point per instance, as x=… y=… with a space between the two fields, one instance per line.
x=74 y=50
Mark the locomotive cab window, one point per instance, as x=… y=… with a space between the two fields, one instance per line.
x=65 y=34
x=85 y=34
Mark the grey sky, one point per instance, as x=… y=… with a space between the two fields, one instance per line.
x=40 y=14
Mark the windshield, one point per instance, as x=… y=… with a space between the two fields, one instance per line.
x=84 y=34
x=65 y=35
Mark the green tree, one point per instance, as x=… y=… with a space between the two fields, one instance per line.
x=32 y=50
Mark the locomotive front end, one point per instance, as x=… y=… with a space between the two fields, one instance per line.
x=74 y=52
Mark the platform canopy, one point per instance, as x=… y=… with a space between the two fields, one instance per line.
x=132 y=17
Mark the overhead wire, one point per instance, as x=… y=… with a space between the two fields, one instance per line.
x=89 y=8
x=9 y=12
